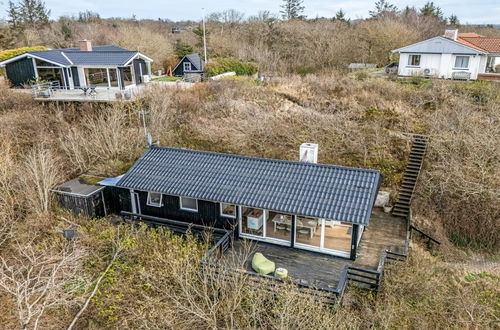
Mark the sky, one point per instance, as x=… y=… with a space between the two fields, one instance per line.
x=468 y=11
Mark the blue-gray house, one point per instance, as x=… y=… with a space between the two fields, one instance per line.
x=189 y=64
x=70 y=68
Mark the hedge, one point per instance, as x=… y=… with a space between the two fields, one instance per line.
x=10 y=53
x=222 y=65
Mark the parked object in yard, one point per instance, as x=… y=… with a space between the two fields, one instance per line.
x=360 y=66
x=452 y=56
x=262 y=265
x=392 y=68
x=281 y=273
x=227 y=74
x=383 y=198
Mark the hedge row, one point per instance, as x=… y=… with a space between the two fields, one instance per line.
x=222 y=65
x=10 y=53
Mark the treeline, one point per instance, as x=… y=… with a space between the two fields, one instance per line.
x=278 y=43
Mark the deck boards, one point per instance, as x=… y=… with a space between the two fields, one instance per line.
x=314 y=268
x=384 y=232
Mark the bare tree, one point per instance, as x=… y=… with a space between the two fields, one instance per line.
x=35 y=277
x=41 y=171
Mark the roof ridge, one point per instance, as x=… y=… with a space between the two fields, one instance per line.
x=275 y=160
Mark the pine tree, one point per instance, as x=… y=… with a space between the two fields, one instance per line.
x=382 y=7
x=292 y=9
x=340 y=16
x=430 y=9
x=453 y=20
x=27 y=13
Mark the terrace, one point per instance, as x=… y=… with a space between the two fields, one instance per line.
x=50 y=92
x=320 y=271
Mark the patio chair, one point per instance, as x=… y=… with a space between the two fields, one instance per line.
x=262 y=265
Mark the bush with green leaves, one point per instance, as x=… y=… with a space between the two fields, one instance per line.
x=10 y=53
x=224 y=64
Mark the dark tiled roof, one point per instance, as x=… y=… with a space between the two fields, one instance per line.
x=196 y=60
x=316 y=190
x=100 y=58
x=52 y=55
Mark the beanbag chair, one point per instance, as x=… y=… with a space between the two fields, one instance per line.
x=261 y=264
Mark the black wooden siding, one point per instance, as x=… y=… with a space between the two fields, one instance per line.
x=179 y=71
x=91 y=206
x=208 y=212
x=76 y=79
x=21 y=71
x=139 y=64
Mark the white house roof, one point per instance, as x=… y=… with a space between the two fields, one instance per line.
x=438 y=45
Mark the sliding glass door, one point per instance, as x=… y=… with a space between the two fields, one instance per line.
x=327 y=236
x=265 y=225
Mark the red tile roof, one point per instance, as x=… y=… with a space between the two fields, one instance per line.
x=477 y=41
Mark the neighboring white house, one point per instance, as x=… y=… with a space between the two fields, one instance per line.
x=452 y=56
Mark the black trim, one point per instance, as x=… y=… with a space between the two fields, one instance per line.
x=354 y=241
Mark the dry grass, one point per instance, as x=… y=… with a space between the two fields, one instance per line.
x=156 y=281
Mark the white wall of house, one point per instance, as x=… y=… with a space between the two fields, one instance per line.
x=440 y=65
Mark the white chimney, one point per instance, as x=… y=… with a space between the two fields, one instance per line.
x=308 y=153
x=85 y=45
x=451 y=34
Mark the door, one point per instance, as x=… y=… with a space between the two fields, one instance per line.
x=264 y=225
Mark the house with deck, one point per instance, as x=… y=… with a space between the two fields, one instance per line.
x=455 y=55
x=96 y=67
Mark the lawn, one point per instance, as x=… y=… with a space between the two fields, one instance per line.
x=166 y=78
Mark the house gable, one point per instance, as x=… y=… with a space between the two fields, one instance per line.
x=438 y=45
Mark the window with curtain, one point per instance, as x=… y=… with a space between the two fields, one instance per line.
x=414 y=60
x=462 y=62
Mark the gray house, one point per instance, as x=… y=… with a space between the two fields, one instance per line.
x=100 y=66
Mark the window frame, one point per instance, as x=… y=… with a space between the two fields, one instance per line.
x=149 y=203
x=184 y=66
x=222 y=214
x=410 y=57
x=461 y=68
x=187 y=208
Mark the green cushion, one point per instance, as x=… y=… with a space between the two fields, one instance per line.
x=281 y=273
x=262 y=265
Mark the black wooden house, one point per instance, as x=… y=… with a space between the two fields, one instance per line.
x=315 y=207
x=189 y=64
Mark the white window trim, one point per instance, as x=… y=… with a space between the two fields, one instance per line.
x=187 y=208
x=227 y=215
x=184 y=66
x=149 y=203
x=461 y=68
x=414 y=66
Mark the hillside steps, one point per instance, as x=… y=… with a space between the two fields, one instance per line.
x=415 y=160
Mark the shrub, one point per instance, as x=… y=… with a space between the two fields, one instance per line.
x=222 y=65
x=10 y=53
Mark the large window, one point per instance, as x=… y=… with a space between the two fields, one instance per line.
x=96 y=77
x=461 y=62
x=154 y=199
x=127 y=76
x=50 y=75
x=324 y=235
x=228 y=210
x=279 y=226
x=414 y=60
x=252 y=221
x=113 y=78
x=189 y=204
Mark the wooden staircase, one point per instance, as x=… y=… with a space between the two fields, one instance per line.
x=410 y=177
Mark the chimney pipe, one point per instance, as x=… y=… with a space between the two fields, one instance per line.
x=308 y=153
x=451 y=34
x=85 y=45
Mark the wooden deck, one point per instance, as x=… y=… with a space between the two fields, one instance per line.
x=384 y=232
x=310 y=268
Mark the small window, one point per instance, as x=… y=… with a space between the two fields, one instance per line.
x=228 y=210
x=462 y=62
x=414 y=60
x=189 y=204
x=154 y=199
x=187 y=66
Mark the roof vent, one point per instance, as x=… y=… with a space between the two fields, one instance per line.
x=308 y=153
x=451 y=34
x=85 y=45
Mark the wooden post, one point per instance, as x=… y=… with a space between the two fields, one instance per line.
x=354 y=241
